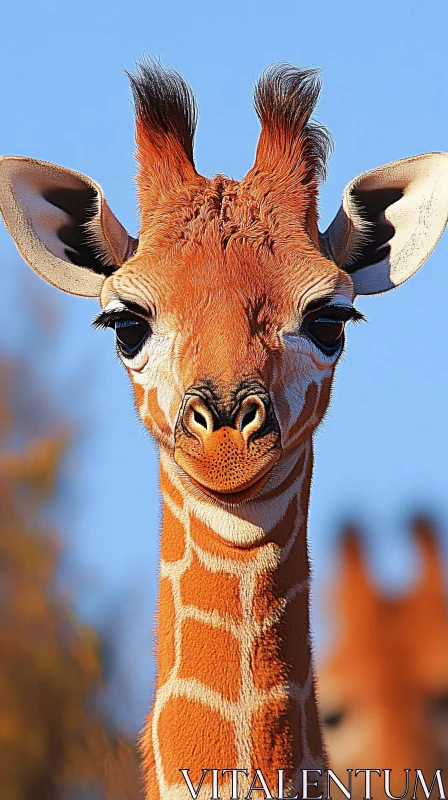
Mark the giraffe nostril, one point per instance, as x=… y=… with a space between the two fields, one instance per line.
x=248 y=417
x=197 y=418
x=200 y=419
x=251 y=417
x=247 y=411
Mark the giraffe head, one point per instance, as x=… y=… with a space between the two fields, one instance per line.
x=229 y=310
x=384 y=686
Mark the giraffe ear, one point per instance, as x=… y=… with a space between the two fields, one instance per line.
x=352 y=550
x=390 y=220
x=432 y=572
x=62 y=225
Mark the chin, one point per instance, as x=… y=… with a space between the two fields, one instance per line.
x=235 y=497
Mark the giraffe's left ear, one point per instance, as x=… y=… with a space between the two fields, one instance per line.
x=62 y=225
x=390 y=220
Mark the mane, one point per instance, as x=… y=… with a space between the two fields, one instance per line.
x=285 y=98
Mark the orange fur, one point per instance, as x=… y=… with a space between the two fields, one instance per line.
x=223 y=598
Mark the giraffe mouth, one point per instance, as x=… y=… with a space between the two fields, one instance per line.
x=235 y=478
x=234 y=498
x=224 y=464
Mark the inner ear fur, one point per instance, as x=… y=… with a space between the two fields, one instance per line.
x=62 y=225
x=390 y=220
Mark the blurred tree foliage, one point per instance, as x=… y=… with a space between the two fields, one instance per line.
x=55 y=742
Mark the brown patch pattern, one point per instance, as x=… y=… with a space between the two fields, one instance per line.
x=282 y=653
x=217 y=591
x=155 y=414
x=212 y=655
x=188 y=741
x=275 y=737
x=172 y=546
x=165 y=638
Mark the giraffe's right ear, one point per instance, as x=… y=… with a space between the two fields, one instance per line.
x=62 y=225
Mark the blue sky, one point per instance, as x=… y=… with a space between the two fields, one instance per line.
x=65 y=98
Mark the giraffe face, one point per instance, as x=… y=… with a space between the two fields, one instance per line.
x=241 y=340
x=239 y=300
x=389 y=708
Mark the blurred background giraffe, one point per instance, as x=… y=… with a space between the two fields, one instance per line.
x=383 y=685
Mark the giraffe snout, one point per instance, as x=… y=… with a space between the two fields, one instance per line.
x=201 y=421
x=227 y=442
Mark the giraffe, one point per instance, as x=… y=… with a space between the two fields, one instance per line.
x=383 y=687
x=229 y=313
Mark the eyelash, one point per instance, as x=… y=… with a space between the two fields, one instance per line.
x=130 y=322
x=108 y=319
x=338 y=313
x=329 y=316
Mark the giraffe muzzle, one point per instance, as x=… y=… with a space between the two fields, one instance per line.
x=227 y=444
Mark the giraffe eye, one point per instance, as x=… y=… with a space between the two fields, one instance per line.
x=439 y=704
x=131 y=334
x=325 y=331
x=333 y=719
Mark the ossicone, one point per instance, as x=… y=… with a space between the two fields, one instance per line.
x=166 y=117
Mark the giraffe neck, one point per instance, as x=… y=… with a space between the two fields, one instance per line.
x=235 y=686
